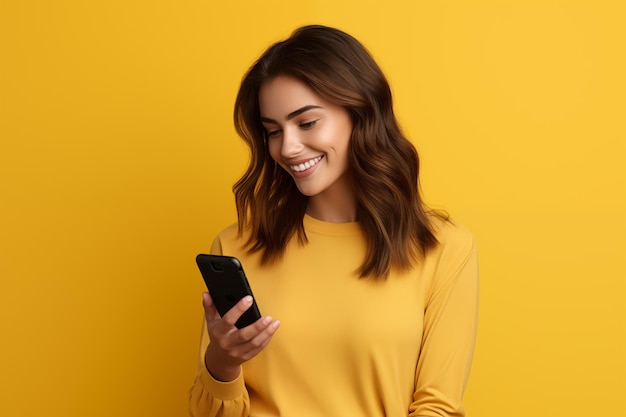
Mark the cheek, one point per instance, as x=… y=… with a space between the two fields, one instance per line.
x=341 y=141
x=343 y=133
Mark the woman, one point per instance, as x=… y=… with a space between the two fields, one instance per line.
x=376 y=295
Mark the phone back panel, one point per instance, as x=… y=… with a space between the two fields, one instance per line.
x=227 y=283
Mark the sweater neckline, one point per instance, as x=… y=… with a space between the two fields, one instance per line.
x=321 y=227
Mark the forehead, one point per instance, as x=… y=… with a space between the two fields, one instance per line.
x=284 y=94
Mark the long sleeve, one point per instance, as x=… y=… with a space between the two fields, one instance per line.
x=401 y=345
x=450 y=323
x=209 y=397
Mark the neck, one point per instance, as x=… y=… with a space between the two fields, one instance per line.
x=336 y=206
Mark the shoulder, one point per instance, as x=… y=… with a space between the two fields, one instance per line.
x=454 y=239
x=230 y=232
x=227 y=238
x=454 y=260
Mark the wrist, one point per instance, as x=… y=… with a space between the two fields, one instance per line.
x=220 y=371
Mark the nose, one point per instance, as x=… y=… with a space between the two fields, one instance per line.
x=291 y=144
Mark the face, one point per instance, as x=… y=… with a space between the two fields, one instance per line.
x=307 y=135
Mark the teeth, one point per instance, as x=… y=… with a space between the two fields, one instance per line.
x=306 y=165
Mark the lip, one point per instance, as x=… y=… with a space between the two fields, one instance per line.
x=306 y=171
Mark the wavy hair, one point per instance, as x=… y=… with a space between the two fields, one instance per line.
x=384 y=164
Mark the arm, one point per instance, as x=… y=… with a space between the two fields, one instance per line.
x=219 y=388
x=209 y=397
x=450 y=321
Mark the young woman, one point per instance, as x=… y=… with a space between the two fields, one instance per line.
x=376 y=294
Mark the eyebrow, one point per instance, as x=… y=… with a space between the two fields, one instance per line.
x=292 y=114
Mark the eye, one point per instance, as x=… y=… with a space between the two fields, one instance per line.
x=307 y=125
x=272 y=133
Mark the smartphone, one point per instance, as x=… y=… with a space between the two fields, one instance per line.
x=227 y=284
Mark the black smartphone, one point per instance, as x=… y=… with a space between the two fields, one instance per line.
x=227 y=284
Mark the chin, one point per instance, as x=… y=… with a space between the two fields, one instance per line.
x=308 y=191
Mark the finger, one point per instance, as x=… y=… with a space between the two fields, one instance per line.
x=210 y=311
x=232 y=315
x=253 y=335
x=266 y=333
x=255 y=345
x=241 y=345
x=257 y=329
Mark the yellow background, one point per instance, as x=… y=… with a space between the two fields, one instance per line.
x=117 y=155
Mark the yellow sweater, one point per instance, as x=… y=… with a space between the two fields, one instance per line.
x=350 y=347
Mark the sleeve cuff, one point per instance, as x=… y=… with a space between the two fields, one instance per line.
x=223 y=390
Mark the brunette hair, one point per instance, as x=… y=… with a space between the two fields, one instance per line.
x=384 y=163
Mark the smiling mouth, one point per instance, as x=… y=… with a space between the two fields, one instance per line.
x=305 y=165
